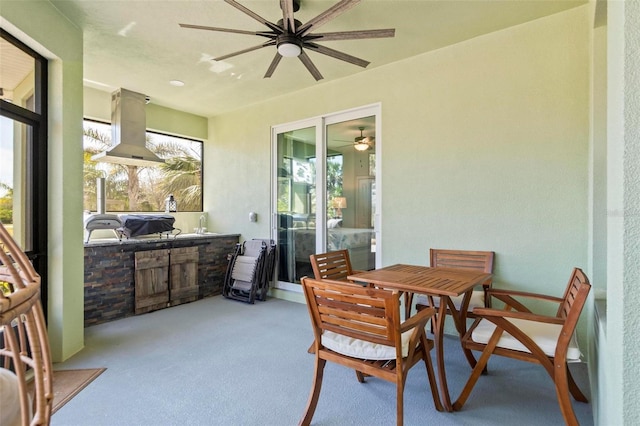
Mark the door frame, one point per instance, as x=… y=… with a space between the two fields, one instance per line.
x=320 y=123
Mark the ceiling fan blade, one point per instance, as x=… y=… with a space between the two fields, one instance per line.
x=249 y=49
x=326 y=16
x=288 y=22
x=353 y=35
x=274 y=64
x=228 y=30
x=337 y=54
x=254 y=15
x=310 y=66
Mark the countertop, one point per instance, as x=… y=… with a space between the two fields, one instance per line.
x=154 y=238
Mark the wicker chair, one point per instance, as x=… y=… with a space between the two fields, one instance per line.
x=25 y=354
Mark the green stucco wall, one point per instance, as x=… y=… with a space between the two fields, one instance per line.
x=484 y=146
x=621 y=349
x=61 y=43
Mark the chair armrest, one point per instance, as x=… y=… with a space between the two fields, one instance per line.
x=508 y=297
x=500 y=292
x=419 y=319
x=489 y=313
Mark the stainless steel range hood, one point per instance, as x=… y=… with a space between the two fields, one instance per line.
x=128 y=132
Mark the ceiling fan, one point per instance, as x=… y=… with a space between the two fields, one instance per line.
x=363 y=143
x=292 y=38
x=360 y=143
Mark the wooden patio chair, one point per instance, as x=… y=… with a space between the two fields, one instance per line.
x=359 y=327
x=25 y=350
x=517 y=332
x=460 y=259
x=334 y=265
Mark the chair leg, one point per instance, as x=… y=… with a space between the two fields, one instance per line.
x=359 y=375
x=315 y=393
x=480 y=367
x=400 y=401
x=471 y=382
x=562 y=391
x=426 y=357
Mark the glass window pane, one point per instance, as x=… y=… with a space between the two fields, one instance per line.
x=15 y=182
x=143 y=189
x=351 y=190
x=296 y=203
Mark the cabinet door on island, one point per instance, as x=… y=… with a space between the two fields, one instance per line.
x=184 y=275
x=152 y=280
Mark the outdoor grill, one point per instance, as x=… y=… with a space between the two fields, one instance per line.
x=135 y=225
x=96 y=221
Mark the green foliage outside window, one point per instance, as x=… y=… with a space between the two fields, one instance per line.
x=6 y=204
x=144 y=189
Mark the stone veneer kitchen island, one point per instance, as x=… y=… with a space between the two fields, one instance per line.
x=109 y=270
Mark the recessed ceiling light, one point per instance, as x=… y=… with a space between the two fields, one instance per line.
x=176 y=83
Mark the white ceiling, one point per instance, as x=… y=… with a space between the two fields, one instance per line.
x=139 y=46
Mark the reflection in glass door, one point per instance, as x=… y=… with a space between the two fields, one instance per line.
x=350 y=195
x=324 y=192
x=296 y=202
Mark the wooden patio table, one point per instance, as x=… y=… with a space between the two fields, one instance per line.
x=433 y=282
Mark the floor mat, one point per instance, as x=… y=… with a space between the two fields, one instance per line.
x=68 y=383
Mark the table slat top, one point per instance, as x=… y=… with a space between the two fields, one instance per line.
x=423 y=279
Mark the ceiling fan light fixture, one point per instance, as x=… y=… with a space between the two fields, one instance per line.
x=289 y=50
x=289 y=46
x=361 y=143
x=361 y=146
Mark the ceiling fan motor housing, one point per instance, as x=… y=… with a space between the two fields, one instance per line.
x=281 y=23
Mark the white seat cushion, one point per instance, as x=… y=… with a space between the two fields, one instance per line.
x=362 y=349
x=9 y=399
x=545 y=335
x=477 y=300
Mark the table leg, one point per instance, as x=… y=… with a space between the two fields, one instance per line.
x=438 y=332
x=460 y=321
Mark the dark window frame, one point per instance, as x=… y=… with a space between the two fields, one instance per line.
x=38 y=171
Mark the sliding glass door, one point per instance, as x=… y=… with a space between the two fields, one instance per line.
x=296 y=202
x=324 y=191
